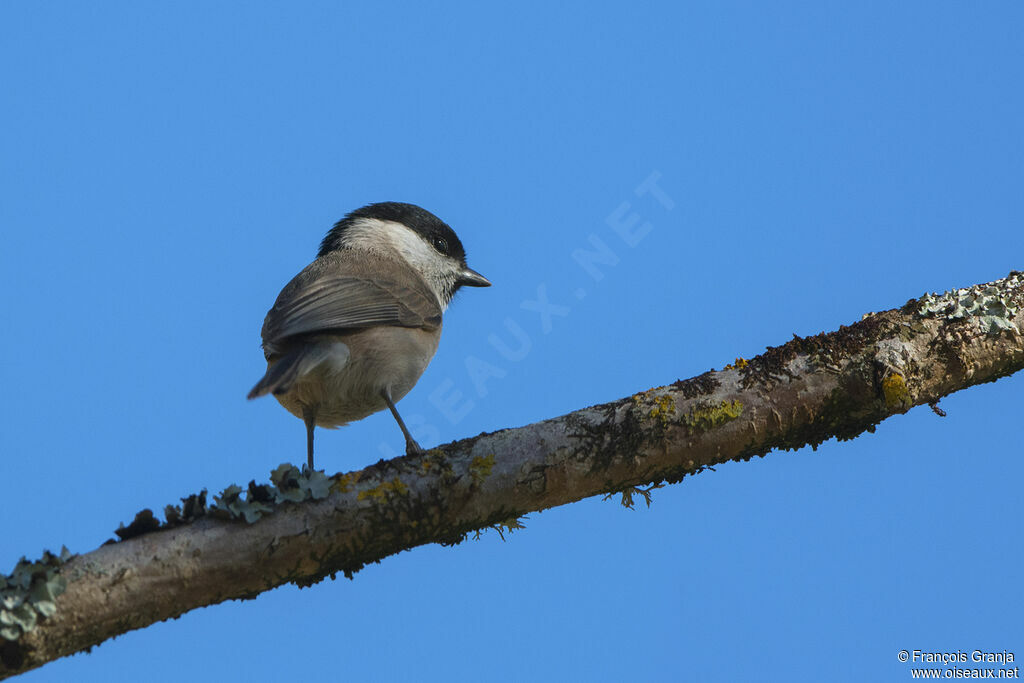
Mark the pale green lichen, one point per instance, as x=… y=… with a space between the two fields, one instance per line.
x=231 y=502
x=706 y=415
x=988 y=304
x=288 y=484
x=29 y=593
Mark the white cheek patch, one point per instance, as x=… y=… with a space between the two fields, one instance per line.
x=413 y=247
x=374 y=234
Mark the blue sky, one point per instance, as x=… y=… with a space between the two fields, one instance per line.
x=167 y=168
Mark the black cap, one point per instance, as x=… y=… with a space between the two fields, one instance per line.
x=436 y=231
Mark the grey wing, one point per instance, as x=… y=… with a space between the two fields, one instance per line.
x=341 y=303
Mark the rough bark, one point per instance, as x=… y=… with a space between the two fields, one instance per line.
x=803 y=392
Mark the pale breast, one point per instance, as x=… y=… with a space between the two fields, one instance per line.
x=378 y=358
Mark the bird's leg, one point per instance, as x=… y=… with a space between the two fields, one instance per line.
x=411 y=447
x=309 y=416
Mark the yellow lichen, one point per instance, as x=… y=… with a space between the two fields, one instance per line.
x=341 y=483
x=897 y=395
x=480 y=467
x=385 y=490
x=664 y=409
x=739 y=364
x=709 y=415
x=433 y=459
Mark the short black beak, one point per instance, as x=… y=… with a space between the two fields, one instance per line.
x=471 y=278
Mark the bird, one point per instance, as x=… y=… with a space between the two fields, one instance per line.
x=352 y=333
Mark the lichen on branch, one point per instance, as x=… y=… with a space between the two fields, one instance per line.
x=303 y=526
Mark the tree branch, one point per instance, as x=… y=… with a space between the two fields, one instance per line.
x=804 y=392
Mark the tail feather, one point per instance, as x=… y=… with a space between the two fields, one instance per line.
x=280 y=376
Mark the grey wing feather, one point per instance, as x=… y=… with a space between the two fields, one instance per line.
x=318 y=302
x=280 y=376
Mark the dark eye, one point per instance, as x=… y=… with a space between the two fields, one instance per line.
x=441 y=244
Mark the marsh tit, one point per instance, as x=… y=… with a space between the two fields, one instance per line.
x=351 y=334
